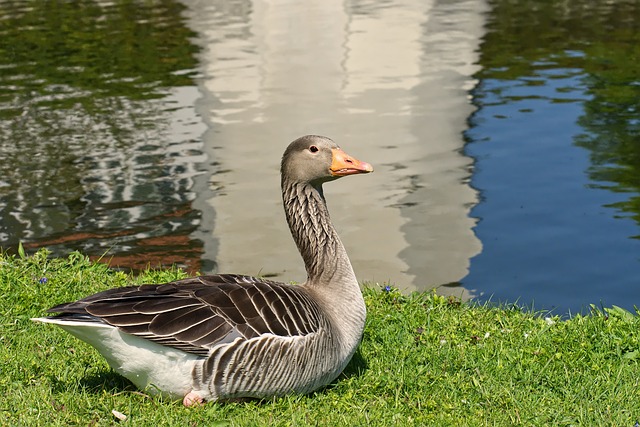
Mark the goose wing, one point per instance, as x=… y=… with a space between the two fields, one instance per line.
x=196 y=314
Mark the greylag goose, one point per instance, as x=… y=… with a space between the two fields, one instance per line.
x=228 y=336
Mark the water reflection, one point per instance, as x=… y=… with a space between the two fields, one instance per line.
x=111 y=143
x=387 y=81
x=99 y=141
x=556 y=130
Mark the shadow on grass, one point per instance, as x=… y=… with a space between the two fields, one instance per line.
x=106 y=380
x=97 y=383
x=356 y=366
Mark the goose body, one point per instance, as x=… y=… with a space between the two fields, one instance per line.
x=228 y=336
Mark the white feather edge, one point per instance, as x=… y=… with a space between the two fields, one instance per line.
x=152 y=367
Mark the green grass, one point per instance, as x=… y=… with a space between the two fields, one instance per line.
x=424 y=360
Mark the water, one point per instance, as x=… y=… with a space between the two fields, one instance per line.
x=380 y=80
x=556 y=139
x=180 y=163
x=504 y=138
x=99 y=140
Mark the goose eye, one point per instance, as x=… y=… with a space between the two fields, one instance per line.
x=313 y=149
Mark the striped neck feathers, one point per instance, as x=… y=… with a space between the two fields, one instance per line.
x=324 y=256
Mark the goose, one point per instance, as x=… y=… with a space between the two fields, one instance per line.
x=227 y=336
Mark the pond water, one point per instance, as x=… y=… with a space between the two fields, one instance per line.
x=505 y=138
x=99 y=140
x=556 y=139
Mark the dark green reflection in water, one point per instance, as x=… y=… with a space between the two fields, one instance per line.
x=557 y=145
x=57 y=54
x=89 y=156
x=601 y=39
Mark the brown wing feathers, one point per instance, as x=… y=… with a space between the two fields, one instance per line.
x=196 y=314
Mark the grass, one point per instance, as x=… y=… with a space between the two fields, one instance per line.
x=424 y=360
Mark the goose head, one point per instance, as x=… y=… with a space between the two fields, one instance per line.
x=316 y=159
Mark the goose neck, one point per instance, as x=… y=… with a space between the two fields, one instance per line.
x=324 y=256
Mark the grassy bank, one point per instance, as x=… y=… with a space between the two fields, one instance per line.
x=424 y=360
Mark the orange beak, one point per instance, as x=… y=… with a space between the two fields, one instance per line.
x=343 y=164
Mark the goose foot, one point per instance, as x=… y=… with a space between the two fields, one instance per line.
x=192 y=399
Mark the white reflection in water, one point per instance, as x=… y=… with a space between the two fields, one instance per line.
x=388 y=81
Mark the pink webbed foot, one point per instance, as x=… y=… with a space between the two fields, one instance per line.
x=192 y=399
